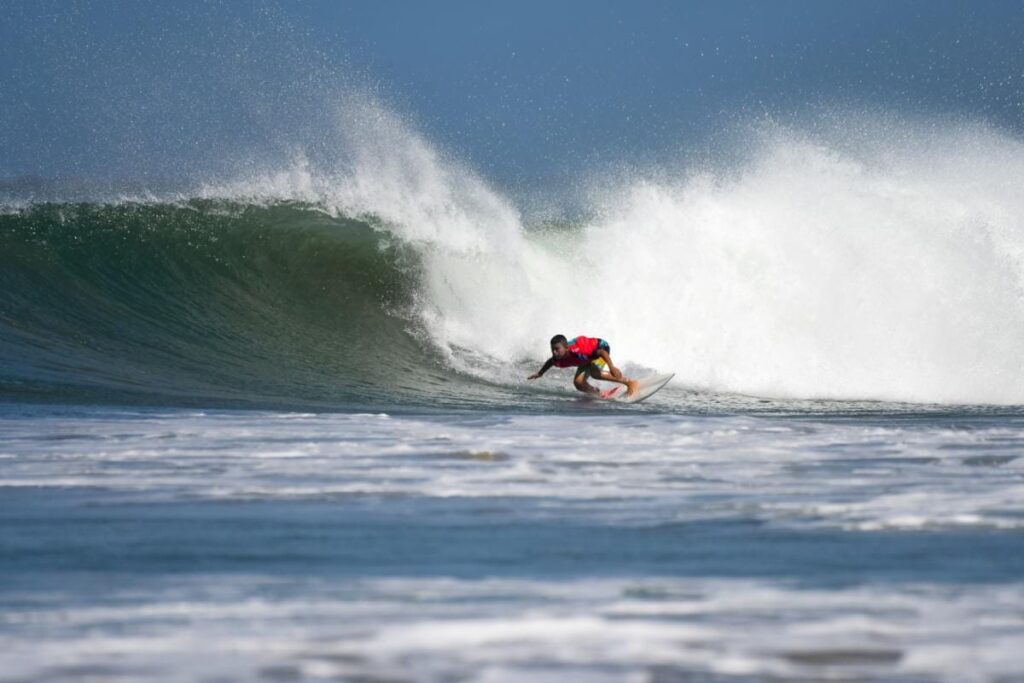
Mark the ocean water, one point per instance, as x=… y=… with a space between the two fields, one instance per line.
x=588 y=543
x=274 y=425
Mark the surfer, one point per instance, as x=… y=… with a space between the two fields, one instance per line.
x=590 y=356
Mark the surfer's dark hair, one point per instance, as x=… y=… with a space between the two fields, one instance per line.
x=559 y=339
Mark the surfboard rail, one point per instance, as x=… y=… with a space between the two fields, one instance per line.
x=646 y=387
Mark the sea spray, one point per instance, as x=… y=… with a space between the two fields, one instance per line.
x=889 y=269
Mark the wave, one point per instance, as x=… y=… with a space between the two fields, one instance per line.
x=868 y=261
x=207 y=301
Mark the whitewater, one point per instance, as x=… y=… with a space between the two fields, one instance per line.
x=274 y=425
x=872 y=260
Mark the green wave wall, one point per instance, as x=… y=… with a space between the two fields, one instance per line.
x=209 y=302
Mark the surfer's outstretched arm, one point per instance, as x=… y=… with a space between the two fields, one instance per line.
x=544 y=368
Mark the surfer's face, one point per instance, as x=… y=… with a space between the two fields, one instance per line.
x=558 y=350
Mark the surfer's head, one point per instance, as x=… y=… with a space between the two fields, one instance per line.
x=559 y=346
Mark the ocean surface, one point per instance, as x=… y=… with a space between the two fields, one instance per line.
x=581 y=542
x=276 y=426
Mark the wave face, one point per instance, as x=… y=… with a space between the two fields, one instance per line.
x=880 y=262
x=203 y=300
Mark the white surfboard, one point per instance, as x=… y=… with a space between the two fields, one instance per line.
x=645 y=388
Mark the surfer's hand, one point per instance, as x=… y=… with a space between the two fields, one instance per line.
x=534 y=376
x=616 y=373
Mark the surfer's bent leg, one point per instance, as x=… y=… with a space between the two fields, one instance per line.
x=580 y=381
x=597 y=373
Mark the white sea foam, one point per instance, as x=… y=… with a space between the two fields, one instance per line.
x=891 y=273
x=608 y=468
x=873 y=482
x=196 y=628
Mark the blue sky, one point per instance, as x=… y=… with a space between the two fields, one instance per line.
x=529 y=89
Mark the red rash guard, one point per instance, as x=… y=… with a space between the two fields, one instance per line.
x=581 y=352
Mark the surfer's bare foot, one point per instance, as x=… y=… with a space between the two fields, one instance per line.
x=630 y=387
